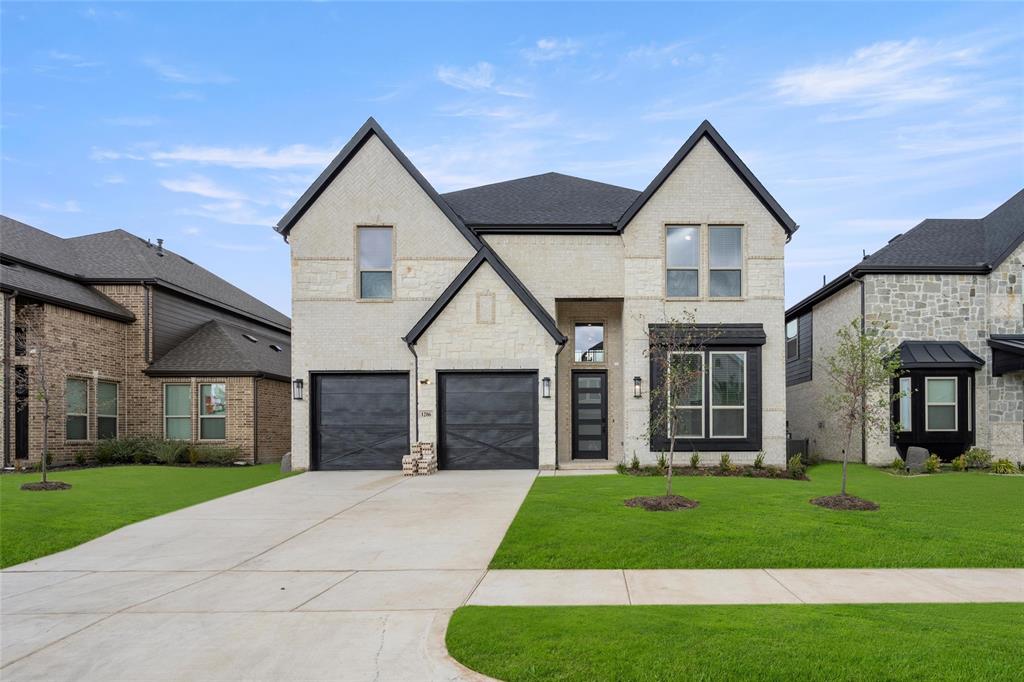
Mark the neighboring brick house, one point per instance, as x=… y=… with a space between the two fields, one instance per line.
x=950 y=290
x=445 y=318
x=146 y=343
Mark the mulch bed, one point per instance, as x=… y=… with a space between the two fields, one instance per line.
x=662 y=502
x=49 y=485
x=845 y=503
x=735 y=470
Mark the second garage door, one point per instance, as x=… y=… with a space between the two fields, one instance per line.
x=487 y=420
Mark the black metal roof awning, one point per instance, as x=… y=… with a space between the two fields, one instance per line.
x=937 y=355
x=1007 y=353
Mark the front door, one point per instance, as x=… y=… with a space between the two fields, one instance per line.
x=589 y=415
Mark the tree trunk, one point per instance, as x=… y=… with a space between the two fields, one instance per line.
x=843 y=490
x=671 y=461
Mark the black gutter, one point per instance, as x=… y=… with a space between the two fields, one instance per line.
x=558 y=352
x=98 y=312
x=416 y=390
x=256 y=419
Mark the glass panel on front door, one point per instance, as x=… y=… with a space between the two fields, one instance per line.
x=590 y=415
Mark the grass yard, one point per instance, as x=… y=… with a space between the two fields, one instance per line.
x=943 y=520
x=34 y=524
x=778 y=642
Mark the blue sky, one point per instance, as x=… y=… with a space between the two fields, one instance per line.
x=202 y=123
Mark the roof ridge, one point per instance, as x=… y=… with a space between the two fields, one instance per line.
x=539 y=175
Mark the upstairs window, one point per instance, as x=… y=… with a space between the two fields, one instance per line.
x=589 y=342
x=76 y=409
x=682 y=258
x=792 y=339
x=106 y=409
x=375 y=262
x=725 y=260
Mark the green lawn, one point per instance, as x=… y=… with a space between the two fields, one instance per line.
x=34 y=524
x=943 y=520
x=779 y=642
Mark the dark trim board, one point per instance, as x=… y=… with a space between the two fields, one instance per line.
x=800 y=369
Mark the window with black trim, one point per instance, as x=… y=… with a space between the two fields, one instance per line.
x=715 y=407
x=793 y=339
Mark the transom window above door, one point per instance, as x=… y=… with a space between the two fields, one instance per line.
x=588 y=342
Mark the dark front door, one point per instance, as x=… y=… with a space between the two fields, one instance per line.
x=360 y=420
x=589 y=415
x=487 y=420
x=21 y=413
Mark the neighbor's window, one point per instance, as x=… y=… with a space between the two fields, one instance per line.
x=589 y=342
x=940 y=404
x=682 y=258
x=178 y=411
x=725 y=260
x=793 y=339
x=76 y=409
x=906 y=421
x=212 y=411
x=688 y=408
x=375 y=262
x=106 y=409
x=20 y=340
x=728 y=394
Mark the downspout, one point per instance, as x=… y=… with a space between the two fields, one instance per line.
x=561 y=347
x=415 y=390
x=863 y=397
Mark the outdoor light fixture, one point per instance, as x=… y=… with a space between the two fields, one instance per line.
x=637 y=384
x=545 y=387
x=297 y=389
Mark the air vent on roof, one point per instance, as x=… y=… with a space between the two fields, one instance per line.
x=277 y=348
x=895 y=238
x=250 y=337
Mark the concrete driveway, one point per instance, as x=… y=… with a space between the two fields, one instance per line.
x=332 y=575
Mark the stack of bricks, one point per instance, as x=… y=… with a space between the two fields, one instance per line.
x=422 y=461
x=410 y=465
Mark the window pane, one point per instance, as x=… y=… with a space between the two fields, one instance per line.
x=375 y=247
x=589 y=446
x=588 y=429
x=211 y=428
x=792 y=349
x=688 y=423
x=212 y=399
x=76 y=397
x=725 y=282
x=687 y=380
x=77 y=428
x=682 y=282
x=177 y=400
x=589 y=382
x=106 y=398
x=683 y=247
x=179 y=428
x=589 y=343
x=106 y=427
x=588 y=413
x=792 y=328
x=375 y=284
x=906 y=423
x=726 y=249
x=941 y=418
x=941 y=390
x=726 y=422
x=727 y=379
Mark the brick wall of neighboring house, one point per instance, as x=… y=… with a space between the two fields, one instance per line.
x=7 y=380
x=273 y=410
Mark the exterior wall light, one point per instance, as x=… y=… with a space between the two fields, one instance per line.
x=637 y=387
x=297 y=389
x=545 y=387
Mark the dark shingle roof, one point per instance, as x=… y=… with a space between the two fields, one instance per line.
x=221 y=349
x=117 y=255
x=937 y=354
x=52 y=288
x=547 y=199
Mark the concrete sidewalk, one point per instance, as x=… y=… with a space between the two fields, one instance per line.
x=748 y=586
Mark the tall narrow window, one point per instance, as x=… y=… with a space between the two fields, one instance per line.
x=178 y=411
x=688 y=409
x=212 y=411
x=589 y=342
x=20 y=339
x=725 y=261
x=728 y=394
x=106 y=409
x=375 y=262
x=76 y=409
x=906 y=420
x=940 y=404
x=682 y=258
x=793 y=339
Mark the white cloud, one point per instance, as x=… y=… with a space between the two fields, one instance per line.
x=670 y=54
x=479 y=78
x=98 y=154
x=290 y=156
x=191 y=231
x=190 y=75
x=72 y=60
x=550 y=49
x=115 y=179
x=202 y=186
x=509 y=116
x=132 y=121
x=69 y=206
x=232 y=212
x=245 y=248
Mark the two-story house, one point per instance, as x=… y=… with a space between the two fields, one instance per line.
x=138 y=341
x=949 y=291
x=510 y=324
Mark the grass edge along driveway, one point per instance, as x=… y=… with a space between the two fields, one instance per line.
x=777 y=642
x=946 y=520
x=37 y=523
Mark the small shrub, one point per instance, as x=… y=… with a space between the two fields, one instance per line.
x=960 y=463
x=635 y=463
x=695 y=460
x=212 y=454
x=724 y=462
x=812 y=459
x=1003 y=466
x=932 y=464
x=897 y=464
x=1020 y=466
x=978 y=458
x=662 y=462
x=80 y=459
x=796 y=466
x=170 y=452
x=759 y=460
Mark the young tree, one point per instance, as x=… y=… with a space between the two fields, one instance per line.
x=861 y=369
x=677 y=350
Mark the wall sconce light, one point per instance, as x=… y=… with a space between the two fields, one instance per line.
x=637 y=387
x=545 y=387
x=297 y=389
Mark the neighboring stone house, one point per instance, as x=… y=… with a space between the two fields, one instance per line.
x=950 y=290
x=140 y=342
x=420 y=317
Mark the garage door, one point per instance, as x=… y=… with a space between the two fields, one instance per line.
x=487 y=420
x=360 y=421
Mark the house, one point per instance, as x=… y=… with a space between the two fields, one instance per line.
x=509 y=324
x=141 y=342
x=950 y=290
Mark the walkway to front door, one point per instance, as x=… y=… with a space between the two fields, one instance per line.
x=589 y=414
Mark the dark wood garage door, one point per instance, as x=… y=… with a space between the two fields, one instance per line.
x=360 y=421
x=487 y=420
